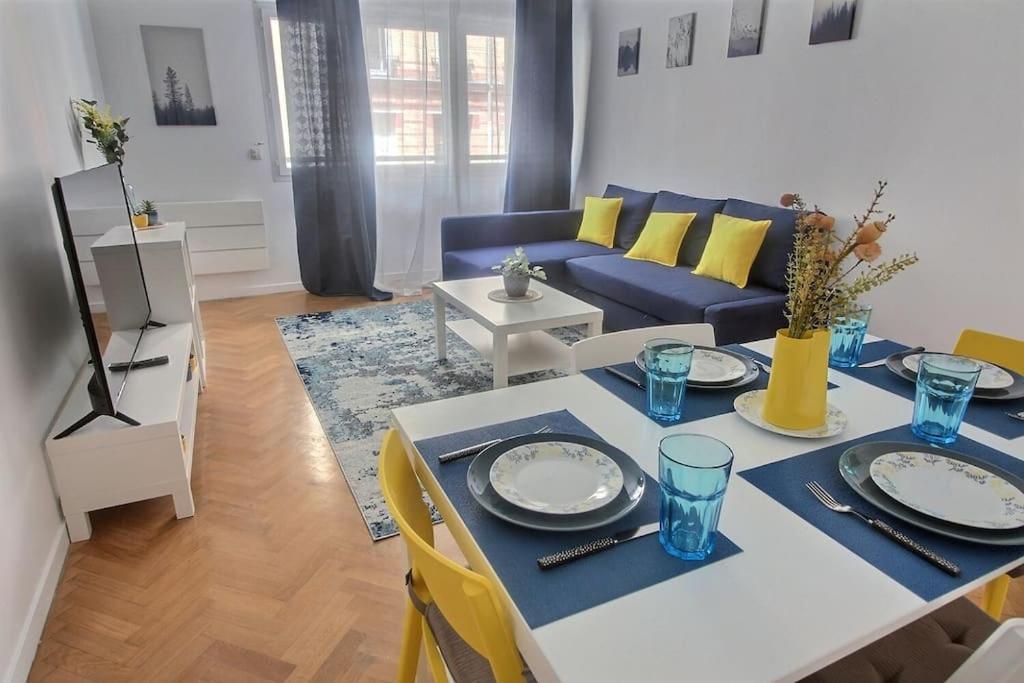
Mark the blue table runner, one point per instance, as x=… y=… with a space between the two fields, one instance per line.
x=784 y=482
x=697 y=404
x=988 y=415
x=546 y=596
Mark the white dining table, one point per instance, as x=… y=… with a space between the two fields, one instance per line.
x=792 y=602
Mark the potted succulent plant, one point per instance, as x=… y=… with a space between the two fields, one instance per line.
x=149 y=208
x=516 y=272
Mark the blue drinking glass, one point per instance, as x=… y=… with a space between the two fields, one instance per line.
x=848 y=337
x=693 y=471
x=668 y=366
x=945 y=385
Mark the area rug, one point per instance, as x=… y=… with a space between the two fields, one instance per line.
x=358 y=364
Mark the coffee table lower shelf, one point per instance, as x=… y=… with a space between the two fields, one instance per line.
x=525 y=351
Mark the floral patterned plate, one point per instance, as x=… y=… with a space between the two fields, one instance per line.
x=556 y=477
x=949 y=489
x=992 y=376
x=479 y=482
x=750 y=405
x=714 y=368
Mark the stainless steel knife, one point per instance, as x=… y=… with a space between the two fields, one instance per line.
x=626 y=378
x=883 y=361
x=596 y=546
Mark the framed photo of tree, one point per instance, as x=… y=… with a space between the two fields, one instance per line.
x=178 y=77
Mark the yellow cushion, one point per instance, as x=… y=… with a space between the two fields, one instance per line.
x=661 y=238
x=731 y=249
x=599 y=219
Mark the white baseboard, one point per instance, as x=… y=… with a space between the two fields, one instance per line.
x=208 y=292
x=42 y=599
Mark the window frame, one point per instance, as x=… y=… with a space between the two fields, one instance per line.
x=445 y=158
x=452 y=51
x=265 y=12
x=489 y=29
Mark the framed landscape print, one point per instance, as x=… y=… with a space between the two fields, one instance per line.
x=178 y=78
x=745 y=29
x=680 y=40
x=832 y=20
x=629 y=52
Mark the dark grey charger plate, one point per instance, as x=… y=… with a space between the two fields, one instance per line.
x=855 y=464
x=1010 y=393
x=479 y=480
x=749 y=375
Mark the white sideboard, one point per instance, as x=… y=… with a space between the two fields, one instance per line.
x=170 y=280
x=108 y=463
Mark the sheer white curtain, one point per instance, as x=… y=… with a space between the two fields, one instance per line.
x=440 y=76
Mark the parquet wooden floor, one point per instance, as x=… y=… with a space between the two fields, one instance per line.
x=275 y=578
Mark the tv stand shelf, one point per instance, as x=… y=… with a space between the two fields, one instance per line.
x=110 y=463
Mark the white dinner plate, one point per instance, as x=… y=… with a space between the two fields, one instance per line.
x=714 y=366
x=710 y=366
x=556 y=477
x=750 y=405
x=992 y=376
x=950 y=490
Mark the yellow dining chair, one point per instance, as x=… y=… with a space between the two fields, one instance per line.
x=1009 y=353
x=456 y=612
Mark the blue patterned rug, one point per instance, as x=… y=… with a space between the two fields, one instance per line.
x=358 y=364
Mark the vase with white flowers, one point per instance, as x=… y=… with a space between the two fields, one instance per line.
x=516 y=272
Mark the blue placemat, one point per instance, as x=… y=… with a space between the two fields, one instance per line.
x=546 y=596
x=784 y=481
x=698 y=403
x=988 y=415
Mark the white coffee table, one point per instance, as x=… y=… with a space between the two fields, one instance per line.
x=511 y=335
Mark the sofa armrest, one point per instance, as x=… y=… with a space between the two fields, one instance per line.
x=736 y=322
x=495 y=230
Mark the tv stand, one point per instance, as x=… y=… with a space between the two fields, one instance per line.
x=92 y=415
x=98 y=461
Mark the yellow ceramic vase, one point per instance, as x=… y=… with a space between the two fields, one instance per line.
x=798 y=383
x=140 y=221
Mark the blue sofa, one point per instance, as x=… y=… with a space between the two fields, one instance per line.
x=636 y=293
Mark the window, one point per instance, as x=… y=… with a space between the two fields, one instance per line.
x=406 y=94
x=486 y=97
x=413 y=106
x=277 y=111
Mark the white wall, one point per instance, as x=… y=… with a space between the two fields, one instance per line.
x=192 y=163
x=928 y=94
x=46 y=57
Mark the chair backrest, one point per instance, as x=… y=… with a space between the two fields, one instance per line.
x=998 y=660
x=620 y=347
x=994 y=348
x=467 y=600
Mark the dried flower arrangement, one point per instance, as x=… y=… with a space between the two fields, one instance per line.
x=822 y=285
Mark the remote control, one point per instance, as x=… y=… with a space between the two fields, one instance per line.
x=139 y=364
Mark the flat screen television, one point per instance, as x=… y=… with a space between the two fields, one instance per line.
x=89 y=203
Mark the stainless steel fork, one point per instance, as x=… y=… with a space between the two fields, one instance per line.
x=477 y=447
x=826 y=499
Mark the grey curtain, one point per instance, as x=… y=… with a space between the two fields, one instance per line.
x=540 y=139
x=331 y=145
